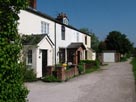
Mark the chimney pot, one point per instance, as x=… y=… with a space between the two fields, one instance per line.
x=32 y=3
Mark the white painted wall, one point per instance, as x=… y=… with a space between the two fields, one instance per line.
x=37 y=55
x=43 y=45
x=94 y=56
x=70 y=36
x=31 y=24
x=88 y=45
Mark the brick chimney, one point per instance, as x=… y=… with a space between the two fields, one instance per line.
x=32 y=4
x=62 y=17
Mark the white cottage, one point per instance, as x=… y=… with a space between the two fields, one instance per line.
x=37 y=52
x=49 y=41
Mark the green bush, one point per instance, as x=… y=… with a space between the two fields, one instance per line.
x=80 y=68
x=123 y=59
x=28 y=74
x=50 y=78
x=93 y=62
x=12 y=87
x=91 y=69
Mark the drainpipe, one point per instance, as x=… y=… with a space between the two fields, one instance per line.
x=55 y=42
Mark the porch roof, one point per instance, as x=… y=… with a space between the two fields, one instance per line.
x=33 y=39
x=76 y=46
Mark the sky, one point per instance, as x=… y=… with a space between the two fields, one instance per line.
x=99 y=16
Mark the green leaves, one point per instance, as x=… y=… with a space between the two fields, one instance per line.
x=11 y=80
x=119 y=42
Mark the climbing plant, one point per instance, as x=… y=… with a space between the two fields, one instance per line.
x=12 y=88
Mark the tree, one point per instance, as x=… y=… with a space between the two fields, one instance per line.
x=102 y=46
x=94 y=38
x=95 y=42
x=119 y=42
x=11 y=80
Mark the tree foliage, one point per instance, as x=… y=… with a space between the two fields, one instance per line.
x=119 y=42
x=102 y=46
x=11 y=81
x=95 y=42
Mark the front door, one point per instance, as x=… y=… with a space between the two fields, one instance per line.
x=78 y=57
x=44 y=62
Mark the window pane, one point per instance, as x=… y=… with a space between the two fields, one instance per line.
x=61 y=55
x=85 y=39
x=29 y=56
x=62 y=32
x=44 y=27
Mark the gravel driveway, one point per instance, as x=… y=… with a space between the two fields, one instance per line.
x=114 y=83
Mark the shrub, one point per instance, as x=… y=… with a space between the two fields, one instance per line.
x=123 y=59
x=29 y=74
x=91 y=69
x=92 y=62
x=50 y=78
x=12 y=88
x=80 y=68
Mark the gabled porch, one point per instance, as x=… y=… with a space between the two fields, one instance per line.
x=75 y=53
x=37 y=52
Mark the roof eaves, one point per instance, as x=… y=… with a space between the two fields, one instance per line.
x=34 y=11
x=32 y=39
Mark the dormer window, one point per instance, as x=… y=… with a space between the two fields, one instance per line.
x=65 y=21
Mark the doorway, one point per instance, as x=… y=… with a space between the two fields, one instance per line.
x=44 y=62
x=78 y=57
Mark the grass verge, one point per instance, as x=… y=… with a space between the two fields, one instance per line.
x=133 y=62
x=94 y=68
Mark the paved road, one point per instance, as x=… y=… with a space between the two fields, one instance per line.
x=114 y=83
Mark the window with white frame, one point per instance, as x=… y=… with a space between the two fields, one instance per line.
x=44 y=27
x=61 y=55
x=29 y=57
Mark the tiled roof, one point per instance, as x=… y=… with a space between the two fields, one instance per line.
x=76 y=45
x=52 y=19
x=32 y=39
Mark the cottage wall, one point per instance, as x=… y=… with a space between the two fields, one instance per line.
x=30 y=23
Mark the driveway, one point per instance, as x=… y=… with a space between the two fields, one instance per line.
x=113 y=83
